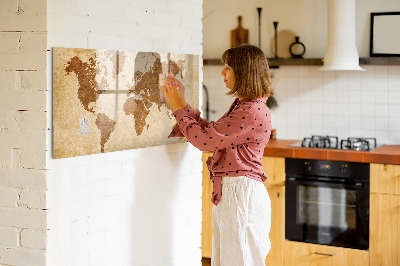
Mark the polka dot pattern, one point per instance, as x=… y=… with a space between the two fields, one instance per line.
x=238 y=139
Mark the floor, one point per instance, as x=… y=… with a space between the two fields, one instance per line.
x=206 y=261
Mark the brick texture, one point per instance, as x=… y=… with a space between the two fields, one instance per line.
x=33 y=199
x=8 y=197
x=23 y=126
x=33 y=239
x=23 y=218
x=106 y=195
x=9 y=237
x=17 y=256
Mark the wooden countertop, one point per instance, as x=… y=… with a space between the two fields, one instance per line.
x=389 y=154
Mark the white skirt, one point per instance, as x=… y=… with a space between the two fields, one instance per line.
x=241 y=223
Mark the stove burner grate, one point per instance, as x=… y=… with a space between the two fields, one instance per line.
x=358 y=144
x=327 y=142
x=332 y=142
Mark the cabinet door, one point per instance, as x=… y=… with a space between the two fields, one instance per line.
x=277 y=233
x=274 y=168
x=384 y=230
x=385 y=178
x=304 y=254
x=206 y=232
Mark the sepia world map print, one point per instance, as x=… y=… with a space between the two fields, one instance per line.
x=109 y=100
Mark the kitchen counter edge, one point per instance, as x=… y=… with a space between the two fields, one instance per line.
x=386 y=154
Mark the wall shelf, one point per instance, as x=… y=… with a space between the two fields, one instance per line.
x=380 y=61
x=274 y=63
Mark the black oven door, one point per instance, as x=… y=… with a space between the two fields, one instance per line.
x=327 y=212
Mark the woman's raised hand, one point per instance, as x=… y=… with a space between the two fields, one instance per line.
x=181 y=90
x=173 y=94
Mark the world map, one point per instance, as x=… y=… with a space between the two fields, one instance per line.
x=109 y=100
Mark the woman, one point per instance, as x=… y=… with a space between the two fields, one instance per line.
x=242 y=208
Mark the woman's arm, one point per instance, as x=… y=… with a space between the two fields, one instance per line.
x=236 y=129
x=175 y=99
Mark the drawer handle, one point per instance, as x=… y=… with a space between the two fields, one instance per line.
x=324 y=254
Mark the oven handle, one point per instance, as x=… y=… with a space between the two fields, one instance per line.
x=324 y=254
x=357 y=185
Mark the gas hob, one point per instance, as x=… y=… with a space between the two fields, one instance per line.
x=332 y=142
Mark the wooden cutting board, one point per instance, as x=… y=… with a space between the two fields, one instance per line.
x=239 y=35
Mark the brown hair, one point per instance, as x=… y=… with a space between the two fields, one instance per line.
x=250 y=66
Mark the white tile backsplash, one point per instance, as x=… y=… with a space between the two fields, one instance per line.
x=394 y=110
x=342 y=123
x=291 y=71
x=342 y=96
x=342 y=109
x=394 y=97
x=382 y=110
x=394 y=137
x=292 y=83
x=367 y=96
x=393 y=71
x=355 y=96
x=381 y=97
x=394 y=82
x=380 y=71
x=381 y=83
x=394 y=123
x=368 y=110
x=343 y=103
x=367 y=123
x=382 y=136
x=304 y=82
x=329 y=109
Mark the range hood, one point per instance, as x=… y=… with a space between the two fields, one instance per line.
x=341 y=51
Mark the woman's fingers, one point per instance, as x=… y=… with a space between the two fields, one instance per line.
x=171 y=91
x=164 y=90
x=171 y=87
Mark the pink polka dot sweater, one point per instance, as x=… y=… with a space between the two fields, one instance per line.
x=238 y=139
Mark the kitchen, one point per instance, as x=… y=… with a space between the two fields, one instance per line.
x=99 y=207
x=315 y=103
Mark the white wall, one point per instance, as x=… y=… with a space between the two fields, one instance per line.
x=134 y=207
x=305 y=18
x=311 y=102
x=344 y=103
x=23 y=132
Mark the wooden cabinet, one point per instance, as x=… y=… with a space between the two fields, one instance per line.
x=274 y=168
x=385 y=178
x=206 y=226
x=385 y=215
x=304 y=254
x=384 y=221
x=277 y=233
x=384 y=237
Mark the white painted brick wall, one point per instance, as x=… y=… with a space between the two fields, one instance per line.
x=23 y=178
x=23 y=126
x=9 y=237
x=135 y=207
x=34 y=239
x=23 y=218
x=33 y=198
x=22 y=256
x=8 y=197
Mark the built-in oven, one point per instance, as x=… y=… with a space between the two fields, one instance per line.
x=327 y=202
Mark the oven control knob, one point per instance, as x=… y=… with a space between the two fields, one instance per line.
x=343 y=168
x=308 y=166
